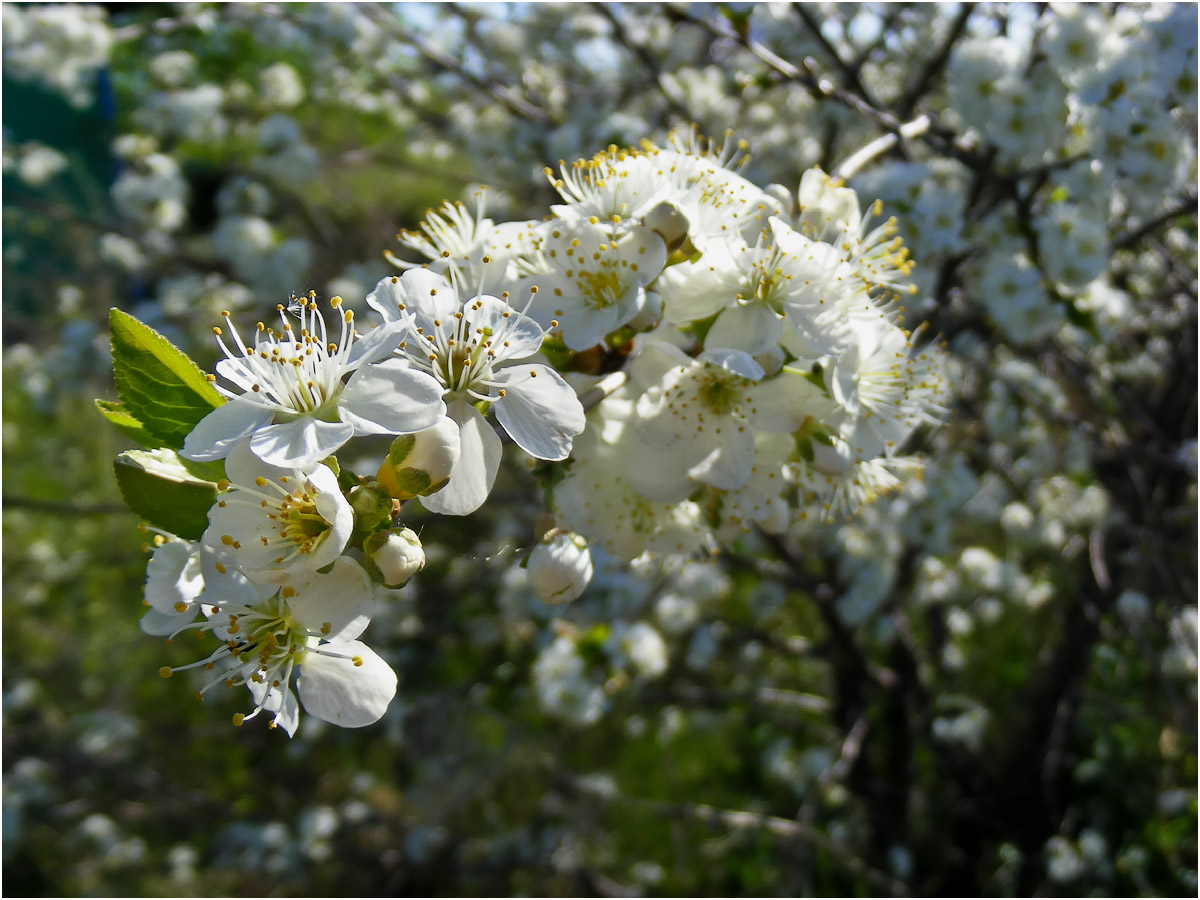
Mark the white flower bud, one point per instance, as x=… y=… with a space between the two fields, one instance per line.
x=561 y=569
x=668 y=220
x=420 y=464
x=650 y=314
x=393 y=557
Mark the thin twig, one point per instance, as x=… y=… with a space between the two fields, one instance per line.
x=881 y=145
x=647 y=59
x=510 y=100
x=848 y=71
x=936 y=63
x=806 y=75
x=605 y=387
x=1187 y=206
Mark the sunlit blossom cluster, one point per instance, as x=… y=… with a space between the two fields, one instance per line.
x=764 y=374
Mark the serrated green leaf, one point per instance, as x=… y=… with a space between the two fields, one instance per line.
x=159 y=385
x=168 y=492
x=128 y=424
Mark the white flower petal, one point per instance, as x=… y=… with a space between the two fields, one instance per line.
x=342 y=600
x=416 y=291
x=279 y=701
x=242 y=466
x=221 y=429
x=782 y=403
x=752 y=328
x=728 y=464
x=225 y=584
x=391 y=398
x=338 y=691
x=159 y=624
x=333 y=507
x=479 y=459
x=300 y=443
x=173 y=576
x=539 y=410
x=378 y=343
x=736 y=361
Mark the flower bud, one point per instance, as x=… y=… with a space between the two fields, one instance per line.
x=650 y=314
x=561 y=569
x=420 y=464
x=372 y=506
x=394 y=556
x=669 y=222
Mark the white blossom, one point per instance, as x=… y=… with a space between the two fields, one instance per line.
x=293 y=404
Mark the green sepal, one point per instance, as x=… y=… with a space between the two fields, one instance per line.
x=372 y=506
x=126 y=422
x=159 y=385
x=804 y=447
x=413 y=481
x=821 y=436
x=700 y=327
x=435 y=487
x=816 y=377
x=167 y=491
x=401 y=447
x=687 y=253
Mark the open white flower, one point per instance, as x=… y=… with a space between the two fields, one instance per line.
x=595 y=279
x=706 y=410
x=473 y=349
x=293 y=403
x=472 y=252
x=278 y=524
x=309 y=627
x=886 y=388
x=603 y=496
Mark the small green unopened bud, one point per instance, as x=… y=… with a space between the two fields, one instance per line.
x=372 y=506
x=420 y=464
x=394 y=556
x=561 y=569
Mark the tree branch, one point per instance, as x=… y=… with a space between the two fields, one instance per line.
x=507 y=96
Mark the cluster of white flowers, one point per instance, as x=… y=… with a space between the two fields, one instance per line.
x=285 y=572
x=59 y=46
x=767 y=376
x=576 y=675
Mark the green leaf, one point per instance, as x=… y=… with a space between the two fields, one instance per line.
x=170 y=493
x=126 y=422
x=159 y=386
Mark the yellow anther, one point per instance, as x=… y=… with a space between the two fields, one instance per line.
x=164 y=672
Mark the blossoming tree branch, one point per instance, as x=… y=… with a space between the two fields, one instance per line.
x=742 y=349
